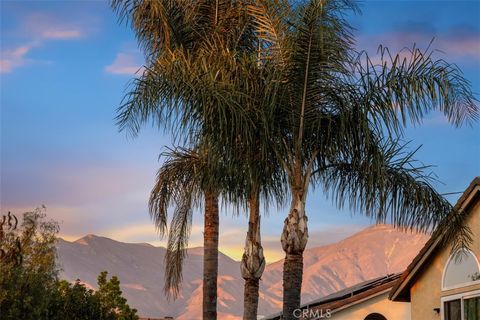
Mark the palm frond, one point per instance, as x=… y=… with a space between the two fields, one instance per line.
x=178 y=176
x=386 y=183
x=177 y=245
x=182 y=93
x=159 y=25
x=454 y=231
x=178 y=184
x=406 y=86
x=270 y=21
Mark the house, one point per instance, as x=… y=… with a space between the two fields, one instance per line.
x=437 y=285
x=440 y=285
x=365 y=301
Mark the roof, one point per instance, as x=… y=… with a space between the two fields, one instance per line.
x=350 y=296
x=401 y=291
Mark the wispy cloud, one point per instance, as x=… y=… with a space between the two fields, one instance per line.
x=13 y=58
x=457 y=43
x=44 y=26
x=73 y=184
x=436 y=119
x=61 y=34
x=125 y=64
x=38 y=28
x=132 y=233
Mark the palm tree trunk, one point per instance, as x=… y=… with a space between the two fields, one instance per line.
x=294 y=239
x=250 y=299
x=210 y=257
x=253 y=261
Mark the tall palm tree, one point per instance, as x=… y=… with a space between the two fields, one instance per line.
x=186 y=177
x=338 y=118
x=192 y=49
x=263 y=181
x=254 y=171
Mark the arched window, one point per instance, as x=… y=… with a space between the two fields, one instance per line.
x=461 y=271
x=375 y=316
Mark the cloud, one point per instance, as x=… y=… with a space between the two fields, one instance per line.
x=132 y=233
x=38 y=28
x=74 y=184
x=13 y=58
x=125 y=64
x=69 y=218
x=456 y=43
x=436 y=119
x=145 y=232
x=61 y=34
x=138 y=233
x=416 y=27
x=46 y=26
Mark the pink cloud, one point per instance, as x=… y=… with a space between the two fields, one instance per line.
x=124 y=63
x=469 y=47
x=42 y=26
x=14 y=58
x=453 y=44
x=39 y=28
x=61 y=34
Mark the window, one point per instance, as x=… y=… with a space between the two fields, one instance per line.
x=375 y=316
x=461 y=272
x=471 y=308
x=465 y=306
x=453 y=309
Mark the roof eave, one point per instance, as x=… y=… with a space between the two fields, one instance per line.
x=401 y=291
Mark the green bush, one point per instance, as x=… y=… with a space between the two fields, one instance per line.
x=29 y=285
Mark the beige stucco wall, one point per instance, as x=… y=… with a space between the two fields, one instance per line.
x=379 y=304
x=426 y=292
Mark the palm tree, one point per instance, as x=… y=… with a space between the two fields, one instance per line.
x=338 y=119
x=192 y=49
x=262 y=181
x=254 y=171
x=185 y=178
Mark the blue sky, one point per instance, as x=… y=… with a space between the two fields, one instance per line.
x=64 y=69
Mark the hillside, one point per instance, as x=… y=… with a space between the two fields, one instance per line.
x=373 y=252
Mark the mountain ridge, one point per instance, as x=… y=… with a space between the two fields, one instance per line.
x=369 y=253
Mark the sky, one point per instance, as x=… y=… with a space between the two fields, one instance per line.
x=64 y=69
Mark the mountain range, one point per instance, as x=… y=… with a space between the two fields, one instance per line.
x=373 y=252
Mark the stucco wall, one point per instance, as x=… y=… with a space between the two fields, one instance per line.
x=426 y=292
x=380 y=304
